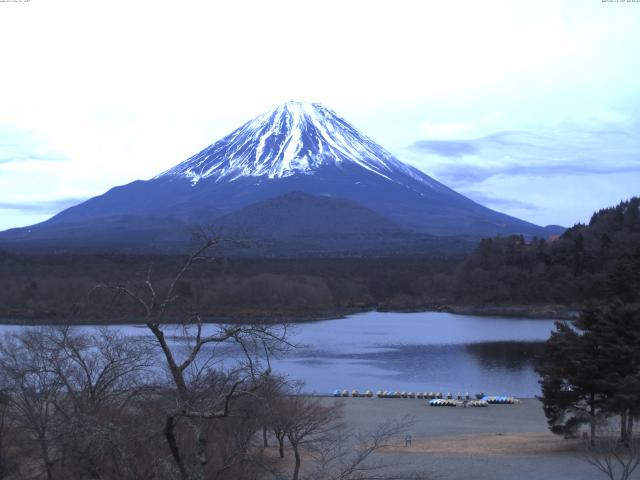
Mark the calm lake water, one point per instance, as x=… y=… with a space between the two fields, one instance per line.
x=412 y=351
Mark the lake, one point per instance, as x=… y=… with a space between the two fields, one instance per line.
x=427 y=351
x=420 y=352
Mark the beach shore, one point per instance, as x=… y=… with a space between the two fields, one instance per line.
x=493 y=443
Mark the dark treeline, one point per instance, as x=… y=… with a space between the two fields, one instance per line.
x=502 y=272
x=570 y=269
x=60 y=286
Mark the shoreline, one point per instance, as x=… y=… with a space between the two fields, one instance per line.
x=530 y=312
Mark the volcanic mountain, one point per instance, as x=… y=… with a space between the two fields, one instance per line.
x=297 y=147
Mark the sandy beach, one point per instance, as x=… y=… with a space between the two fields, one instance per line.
x=493 y=443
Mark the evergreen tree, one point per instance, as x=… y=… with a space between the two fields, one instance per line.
x=619 y=327
x=593 y=363
x=624 y=282
x=571 y=381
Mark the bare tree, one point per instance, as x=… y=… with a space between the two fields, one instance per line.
x=308 y=426
x=4 y=434
x=201 y=393
x=334 y=451
x=266 y=406
x=98 y=369
x=274 y=409
x=33 y=392
x=351 y=455
x=616 y=459
x=279 y=421
x=72 y=394
x=102 y=373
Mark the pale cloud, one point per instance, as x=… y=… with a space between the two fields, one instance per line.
x=589 y=164
x=46 y=207
x=531 y=196
x=446 y=129
x=18 y=145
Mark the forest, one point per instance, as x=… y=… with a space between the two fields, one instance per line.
x=510 y=275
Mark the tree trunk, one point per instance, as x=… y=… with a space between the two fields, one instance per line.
x=265 y=443
x=49 y=470
x=281 y=447
x=169 y=434
x=592 y=412
x=2 y=459
x=48 y=465
x=176 y=373
x=296 y=468
x=630 y=426
x=201 y=453
x=624 y=437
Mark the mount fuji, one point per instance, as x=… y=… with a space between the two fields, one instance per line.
x=270 y=179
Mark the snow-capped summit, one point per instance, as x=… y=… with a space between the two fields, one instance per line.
x=294 y=138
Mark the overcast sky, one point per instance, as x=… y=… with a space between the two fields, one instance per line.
x=529 y=107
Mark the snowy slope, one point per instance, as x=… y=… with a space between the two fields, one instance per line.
x=294 y=138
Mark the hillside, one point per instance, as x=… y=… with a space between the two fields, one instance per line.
x=571 y=268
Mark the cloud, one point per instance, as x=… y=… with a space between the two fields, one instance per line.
x=470 y=174
x=557 y=199
x=565 y=151
x=446 y=148
x=446 y=129
x=500 y=203
x=556 y=173
x=460 y=147
x=41 y=207
x=19 y=145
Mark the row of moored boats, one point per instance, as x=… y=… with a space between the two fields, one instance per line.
x=437 y=399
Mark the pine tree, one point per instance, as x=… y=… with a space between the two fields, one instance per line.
x=571 y=381
x=593 y=370
x=620 y=332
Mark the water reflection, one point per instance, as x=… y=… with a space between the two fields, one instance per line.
x=511 y=355
x=492 y=367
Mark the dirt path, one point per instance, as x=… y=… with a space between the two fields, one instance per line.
x=530 y=443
